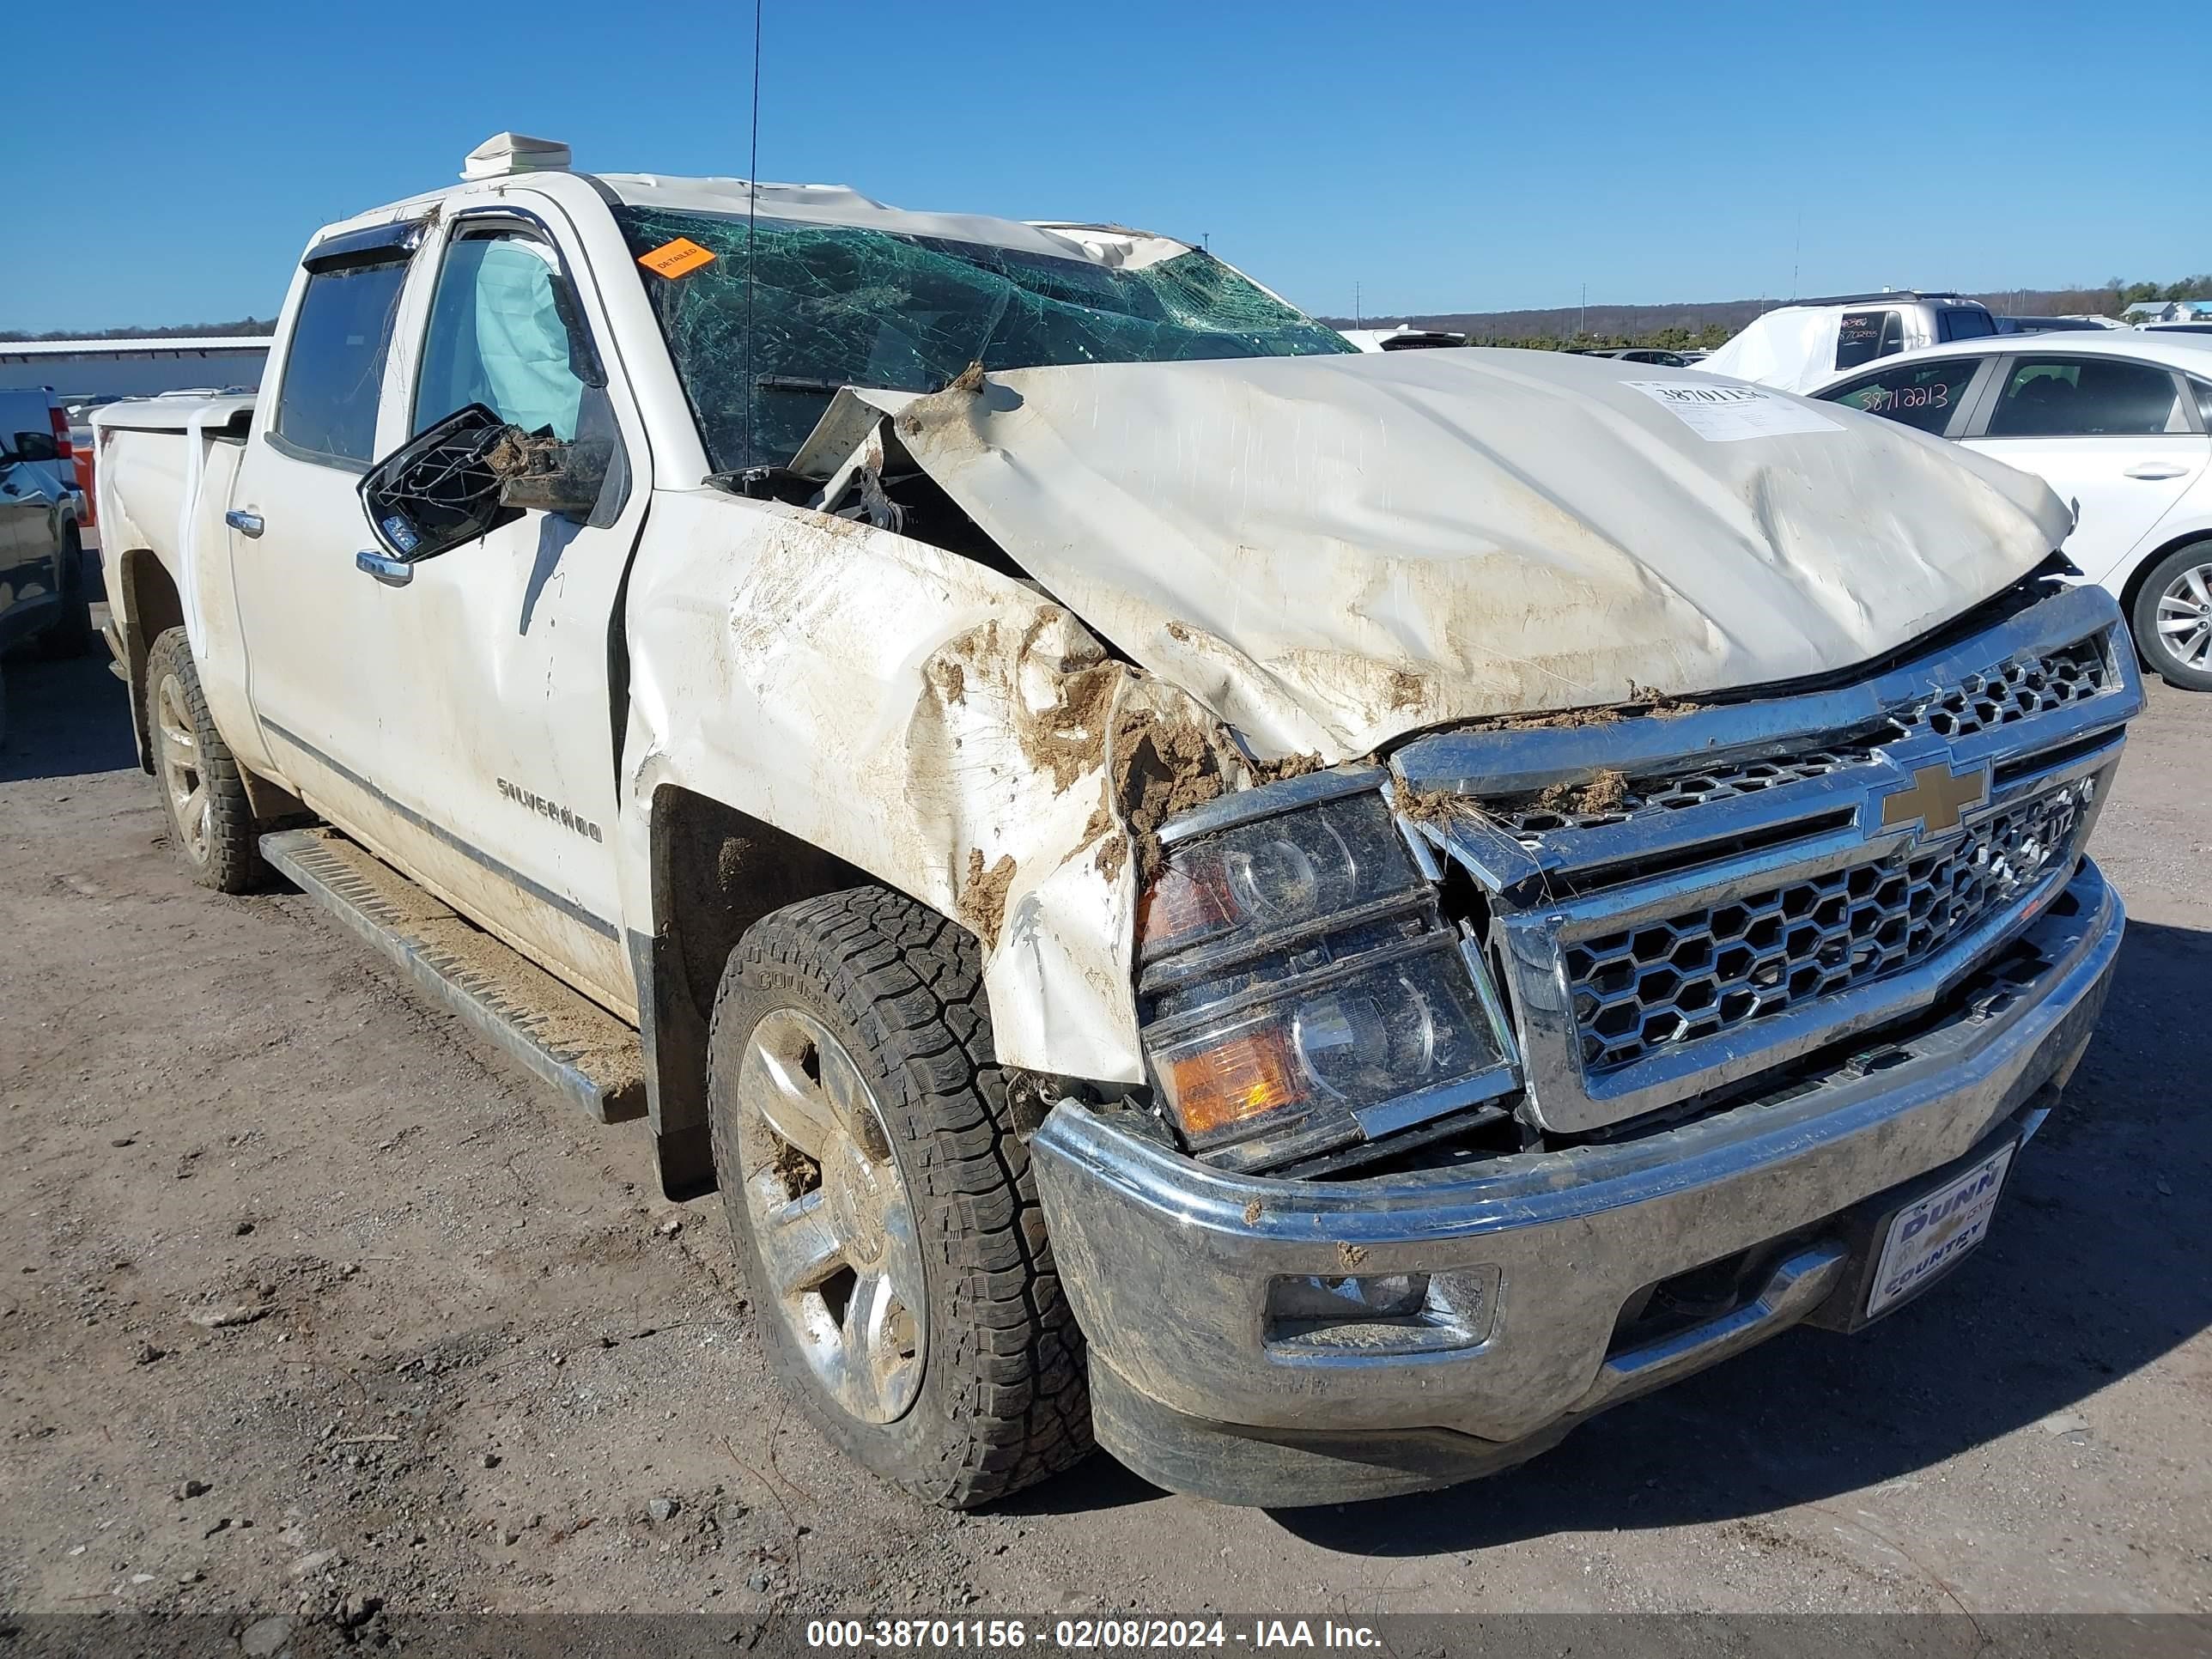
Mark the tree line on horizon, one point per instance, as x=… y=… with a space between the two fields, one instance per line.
x=1708 y=324
x=244 y=326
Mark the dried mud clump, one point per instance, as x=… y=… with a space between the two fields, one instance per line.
x=1290 y=766
x=1101 y=833
x=1559 y=720
x=1434 y=806
x=1063 y=738
x=1161 y=767
x=1643 y=700
x=982 y=897
x=1650 y=700
x=1603 y=790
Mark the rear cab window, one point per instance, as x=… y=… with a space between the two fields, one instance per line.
x=334 y=363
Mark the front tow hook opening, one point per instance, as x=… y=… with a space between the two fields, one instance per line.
x=1799 y=1285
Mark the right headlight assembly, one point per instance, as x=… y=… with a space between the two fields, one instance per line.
x=1299 y=990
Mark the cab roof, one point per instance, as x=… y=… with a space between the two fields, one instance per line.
x=515 y=155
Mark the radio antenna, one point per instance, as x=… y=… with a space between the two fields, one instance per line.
x=752 y=206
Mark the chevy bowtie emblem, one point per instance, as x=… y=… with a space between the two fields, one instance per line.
x=1936 y=798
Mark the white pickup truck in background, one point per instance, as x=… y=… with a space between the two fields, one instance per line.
x=1804 y=343
x=1322 y=916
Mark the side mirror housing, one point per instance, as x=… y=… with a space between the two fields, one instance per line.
x=554 y=475
x=471 y=472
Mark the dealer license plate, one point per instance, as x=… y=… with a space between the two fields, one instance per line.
x=1931 y=1234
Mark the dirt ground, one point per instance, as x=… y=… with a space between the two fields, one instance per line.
x=305 y=1298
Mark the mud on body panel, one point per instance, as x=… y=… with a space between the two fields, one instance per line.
x=932 y=722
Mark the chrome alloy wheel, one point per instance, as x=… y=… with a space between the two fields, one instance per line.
x=830 y=1215
x=177 y=754
x=2184 y=617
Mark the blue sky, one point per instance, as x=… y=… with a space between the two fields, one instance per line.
x=1443 y=157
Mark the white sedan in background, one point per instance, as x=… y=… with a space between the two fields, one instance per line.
x=2119 y=424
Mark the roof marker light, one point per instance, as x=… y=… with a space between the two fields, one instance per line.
x=505 y=153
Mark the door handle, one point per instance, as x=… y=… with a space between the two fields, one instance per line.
x=2154 y=469
x=391 y=572
x=246 y=524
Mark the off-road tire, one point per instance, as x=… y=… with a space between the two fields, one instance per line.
x=1004 y=1400
x=72 y=635
x=2144 y=619
x=231 y=861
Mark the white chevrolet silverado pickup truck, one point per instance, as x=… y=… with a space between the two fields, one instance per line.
x=1317 y=917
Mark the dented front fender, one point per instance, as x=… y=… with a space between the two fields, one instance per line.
x=932 y=721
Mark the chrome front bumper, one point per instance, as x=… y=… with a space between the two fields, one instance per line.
x=1169 y=1263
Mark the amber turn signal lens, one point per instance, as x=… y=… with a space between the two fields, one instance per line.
x=1239 y=1079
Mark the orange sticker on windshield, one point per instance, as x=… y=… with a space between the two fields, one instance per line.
x=677 y=259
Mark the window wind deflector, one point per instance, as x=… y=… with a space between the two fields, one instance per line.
x=378 y=245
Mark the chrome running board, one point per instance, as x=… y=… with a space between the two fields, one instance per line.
x=555 y=1034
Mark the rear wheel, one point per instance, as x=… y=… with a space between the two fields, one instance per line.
x=2173 y=617
x=210 y=820
x=884 y=1205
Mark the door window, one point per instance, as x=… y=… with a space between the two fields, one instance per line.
x=1863 y=336
x=334 y=367
x=2083 y=396
x=1923 y=395
x=1964 y=323
x=497 y=337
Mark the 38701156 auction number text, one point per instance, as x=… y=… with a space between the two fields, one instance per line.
x=993 y=1635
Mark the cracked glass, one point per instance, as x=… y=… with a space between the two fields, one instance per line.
x=843 y=305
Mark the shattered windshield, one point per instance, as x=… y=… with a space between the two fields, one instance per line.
x=842 y=305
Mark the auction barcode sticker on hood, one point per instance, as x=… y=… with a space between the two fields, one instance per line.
x=1722 y=413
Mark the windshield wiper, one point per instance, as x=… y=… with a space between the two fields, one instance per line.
x=798 y=383
x=770 y=484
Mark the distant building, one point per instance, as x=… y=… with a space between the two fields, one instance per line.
x=2169 y=311
x=79 y=370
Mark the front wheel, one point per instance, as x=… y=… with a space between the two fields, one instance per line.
x=2172 y=617
x=884 y=1205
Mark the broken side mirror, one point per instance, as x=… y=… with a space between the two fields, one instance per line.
x=471 y=472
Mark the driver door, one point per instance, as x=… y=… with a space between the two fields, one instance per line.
x=497 y=698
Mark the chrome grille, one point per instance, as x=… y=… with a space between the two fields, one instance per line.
x=2028 y=684
x=1718 y=967
x=1556 y=810
x=2020 y=690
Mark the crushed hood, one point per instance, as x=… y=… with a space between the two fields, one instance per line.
x=1331 y=552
